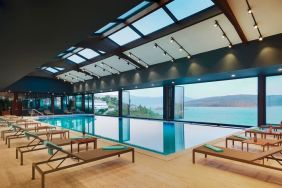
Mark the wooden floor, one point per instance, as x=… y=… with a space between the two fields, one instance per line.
x=148 y=171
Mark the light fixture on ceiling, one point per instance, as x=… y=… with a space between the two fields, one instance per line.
x=139 y=60
x=199 y=79
x=173 y=82
x=233 y=75
x=165 y=52
x=181 y=48
x=280 y=70
x=129 y=62
x=111 y=68
x=255 y=25
x=224 y=36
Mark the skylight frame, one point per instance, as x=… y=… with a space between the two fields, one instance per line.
x=106 y=27
x=141 y=6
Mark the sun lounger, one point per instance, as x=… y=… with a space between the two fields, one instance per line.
x=242 y=156
x=37 y=141
x=47 y=112
x=76 y=159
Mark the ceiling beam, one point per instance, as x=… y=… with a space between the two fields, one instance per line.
x=225 y=8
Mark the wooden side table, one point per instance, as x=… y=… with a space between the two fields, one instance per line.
x=84 y=141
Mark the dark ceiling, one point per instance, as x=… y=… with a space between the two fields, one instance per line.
x=32 y=32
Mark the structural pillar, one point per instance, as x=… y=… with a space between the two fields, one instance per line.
x=261 y=100
x=168 y=102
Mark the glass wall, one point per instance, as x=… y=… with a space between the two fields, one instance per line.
x=145 y=103
x=273 y=99
x=223 y=102
x=88 y=103
x=78 y=103
x=106 y=103
x=57 y=103
x=45 y=104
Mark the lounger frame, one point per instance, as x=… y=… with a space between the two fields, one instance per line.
x=76 y=162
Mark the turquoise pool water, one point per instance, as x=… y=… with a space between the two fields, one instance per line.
x=156 y=136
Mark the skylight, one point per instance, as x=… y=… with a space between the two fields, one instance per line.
x=88 y=53
x=124 y=36
x=106 y=27
x=52 y=70
x=59 y=68
x=184 y=8
x=153 y=22
x=134 y=10
x=76 y=59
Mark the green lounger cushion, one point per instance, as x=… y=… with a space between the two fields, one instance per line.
x=242 y=137
x=213 y=148
x=50 y=146
x=29 y=134
x=80 y=137
x=114 y=147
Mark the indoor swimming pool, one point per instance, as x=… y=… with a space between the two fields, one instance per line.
x=153 y=135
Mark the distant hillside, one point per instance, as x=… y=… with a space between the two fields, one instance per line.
x=234 y=101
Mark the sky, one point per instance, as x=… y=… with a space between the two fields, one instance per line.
x=221 y=88
x=149 y=92
x=274 y=85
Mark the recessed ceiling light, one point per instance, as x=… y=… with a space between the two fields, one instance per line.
x=199 y=79
x=280 y=69
x=233 y=75
x=172 y=82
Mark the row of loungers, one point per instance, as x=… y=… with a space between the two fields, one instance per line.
x=258 y=159
x=39 y=140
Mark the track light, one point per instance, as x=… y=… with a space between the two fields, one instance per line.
x=255 y=26
x=250 y=11
x=215 y=24
x=260 y=38
x=180 y=49
x=229 y=46
x=189 y=56
x=139 y=60
x=165 y=53
x=223 y=36
x=155 y=46
x=129 y=54
x=172 y=60
x=171 y=40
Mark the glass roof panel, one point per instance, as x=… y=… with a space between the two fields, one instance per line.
x=59 y=68
x=184 y=8
x=134 y=10
x=106 y=27
x=76 y=59
x=71 y=48
x=124 y=36
x=52 y=70
x=88 y=53
x=153 y=22
x=67 y=55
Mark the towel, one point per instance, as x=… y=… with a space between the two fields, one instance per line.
x=114 y=147
x=213 y=148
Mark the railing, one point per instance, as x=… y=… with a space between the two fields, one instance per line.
x=34 y=111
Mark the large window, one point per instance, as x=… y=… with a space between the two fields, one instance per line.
x=223 y=102
x=57 y=103
x=78 y=103
x=89 y=103
x=144 y=103
x=106 y=103
x=273 y=99
x=45 y=104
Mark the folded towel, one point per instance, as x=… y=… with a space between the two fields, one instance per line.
x=114 y=147
x=216 y=149
x=51 y=147
x=243 y=137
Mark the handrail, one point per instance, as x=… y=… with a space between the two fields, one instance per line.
x=34 y=110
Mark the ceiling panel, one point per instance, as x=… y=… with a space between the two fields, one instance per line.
x=74 y=76
x=108 y=66
x=199 y=38
x=267 y=14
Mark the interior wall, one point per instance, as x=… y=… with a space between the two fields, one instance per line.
x=254 y=55
x=40 y=85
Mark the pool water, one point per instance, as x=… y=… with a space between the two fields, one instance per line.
x=157 y=136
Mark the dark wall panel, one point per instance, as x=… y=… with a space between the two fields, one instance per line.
x=41 y=85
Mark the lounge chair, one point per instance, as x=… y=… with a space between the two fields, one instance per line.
x=241 y=156
x=19 y=133
x=47 y=112
x=37 y=143
x=243 y=139
x=67 y=112
x=81 y=158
